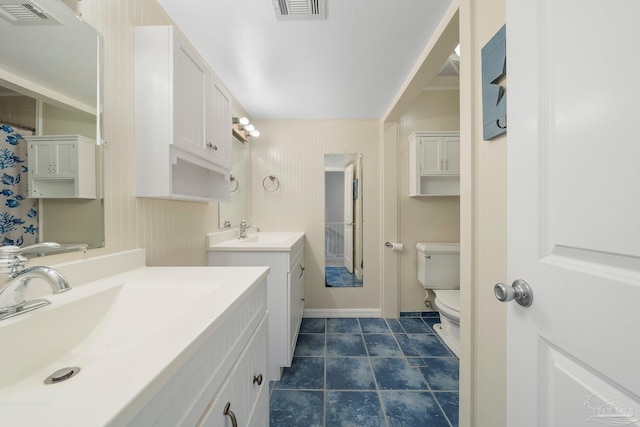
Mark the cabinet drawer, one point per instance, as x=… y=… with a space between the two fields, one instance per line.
x=244 y=386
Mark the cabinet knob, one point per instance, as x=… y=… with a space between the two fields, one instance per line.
x=257 y=379
x=215 y=148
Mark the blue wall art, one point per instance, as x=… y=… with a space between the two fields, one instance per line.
x=494 y=95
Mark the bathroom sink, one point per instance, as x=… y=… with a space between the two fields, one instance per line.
x=112 y=321
x=267 y=238
x=134 y=328
x=262 y=241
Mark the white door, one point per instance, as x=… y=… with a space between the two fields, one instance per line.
x=574 y=212
x=348 y=218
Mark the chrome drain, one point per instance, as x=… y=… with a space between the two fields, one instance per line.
x=62 y=375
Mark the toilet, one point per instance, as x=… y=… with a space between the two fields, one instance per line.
x=439 y=270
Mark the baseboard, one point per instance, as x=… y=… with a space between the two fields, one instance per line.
x=356 y=312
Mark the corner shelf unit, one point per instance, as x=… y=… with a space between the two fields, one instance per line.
x=434 y=164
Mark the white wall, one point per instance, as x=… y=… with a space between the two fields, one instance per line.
x=294 y=150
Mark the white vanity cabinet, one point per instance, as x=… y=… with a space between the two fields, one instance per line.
x=62 y=166
x=229 y=368
x=285 y=290
x=434 y=164
x=183 y=120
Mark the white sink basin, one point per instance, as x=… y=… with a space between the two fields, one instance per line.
x=125 y=333
x=267 y=238
x=262 y=241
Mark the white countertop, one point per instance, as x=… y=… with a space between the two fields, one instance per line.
x=161 y=315
x=262 y=241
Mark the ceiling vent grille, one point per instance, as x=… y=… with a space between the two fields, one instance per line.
x=25 y=12
x=451 y=67
x=300 y=9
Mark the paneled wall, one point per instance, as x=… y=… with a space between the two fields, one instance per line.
x=424 y=219
x=294 y=150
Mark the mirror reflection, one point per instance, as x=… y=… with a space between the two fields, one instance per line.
x=49 y=86
x=343 y=220
x=238 y=207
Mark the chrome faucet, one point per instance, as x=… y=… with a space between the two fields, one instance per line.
x=244 y=227
x=12 y=300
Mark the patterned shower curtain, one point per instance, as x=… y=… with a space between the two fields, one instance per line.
x=19 y=217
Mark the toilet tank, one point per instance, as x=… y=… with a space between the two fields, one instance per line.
x=439 y=265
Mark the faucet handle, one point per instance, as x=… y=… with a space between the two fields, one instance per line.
x=14 y=258
x=17 y=250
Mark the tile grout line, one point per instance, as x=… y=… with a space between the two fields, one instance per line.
x=324 y=393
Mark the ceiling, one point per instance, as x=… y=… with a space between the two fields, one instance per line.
x=350 y=65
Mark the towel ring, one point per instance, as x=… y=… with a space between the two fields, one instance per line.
x=233 y=180
x=271 y=183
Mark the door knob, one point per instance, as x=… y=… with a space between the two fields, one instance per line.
x=519 y=291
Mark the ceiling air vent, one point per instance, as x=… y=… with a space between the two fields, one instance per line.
x=300 y=9
x=451 y=67
x=25 y=12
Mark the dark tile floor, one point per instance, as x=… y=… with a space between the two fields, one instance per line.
x=339 y=277
x=368 y=372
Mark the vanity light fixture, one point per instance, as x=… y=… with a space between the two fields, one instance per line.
x=243 y=121
x=243 y=129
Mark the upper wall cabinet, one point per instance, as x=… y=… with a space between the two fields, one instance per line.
x=62 y=167
x=434 y=164
x=183 y=121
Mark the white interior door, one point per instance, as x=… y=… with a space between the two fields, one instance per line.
x=574 y=212
x=348 y=218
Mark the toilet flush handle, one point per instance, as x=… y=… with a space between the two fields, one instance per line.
x=519 y=291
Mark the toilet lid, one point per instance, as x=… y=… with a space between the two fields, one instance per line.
x=449 y=300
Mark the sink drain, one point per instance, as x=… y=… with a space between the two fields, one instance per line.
x=62 y=375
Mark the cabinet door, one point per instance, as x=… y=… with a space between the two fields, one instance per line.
x=218 y=126
x=242 y=389
x=451 y=149
x=215 y=416
x=189 y=93
x=430 y=156
x=40 y=158
x=52 y=159
x=296 y=304
x=250 y=375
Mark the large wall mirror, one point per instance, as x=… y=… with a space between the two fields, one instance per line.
x=239 y=205
x=50 y=63
x=343 y=220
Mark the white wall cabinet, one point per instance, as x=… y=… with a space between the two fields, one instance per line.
x=62 y=166
x=285 y=296
x=229 y=368
x=183 y=121
x=434 y=164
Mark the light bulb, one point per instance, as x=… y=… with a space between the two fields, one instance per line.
x=255 y=133
x=249 y=128
x=243 y=121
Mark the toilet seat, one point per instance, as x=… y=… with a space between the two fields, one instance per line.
x=448 y=302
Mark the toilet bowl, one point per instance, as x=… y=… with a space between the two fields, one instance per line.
x=448 y=304
x=439 y=270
